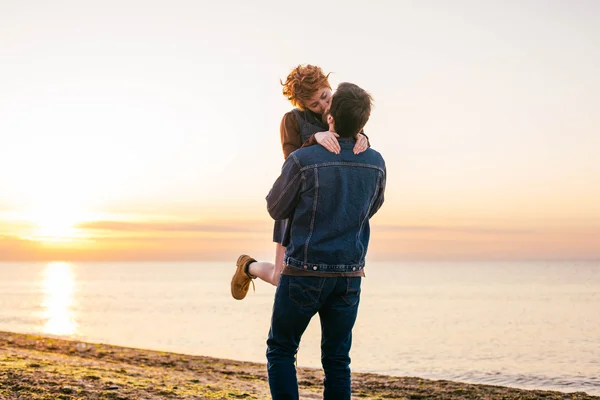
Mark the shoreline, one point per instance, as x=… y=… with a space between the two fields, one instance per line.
x=38 y=367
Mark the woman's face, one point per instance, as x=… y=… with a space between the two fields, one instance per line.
x=320 y=102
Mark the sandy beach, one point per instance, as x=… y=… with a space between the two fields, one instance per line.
x=35 y=367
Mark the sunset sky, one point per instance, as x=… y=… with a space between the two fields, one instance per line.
x=149 y=130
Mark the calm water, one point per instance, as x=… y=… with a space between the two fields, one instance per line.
x=530 y=325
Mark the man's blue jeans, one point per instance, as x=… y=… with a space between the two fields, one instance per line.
x=297 y=300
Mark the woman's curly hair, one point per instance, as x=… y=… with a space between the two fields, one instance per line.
x=303 y=82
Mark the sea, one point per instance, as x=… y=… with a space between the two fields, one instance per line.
x=532 y=325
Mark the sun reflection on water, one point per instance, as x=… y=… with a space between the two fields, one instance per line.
x=59 y=286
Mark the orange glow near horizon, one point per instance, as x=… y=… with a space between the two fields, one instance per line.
x=133 y=238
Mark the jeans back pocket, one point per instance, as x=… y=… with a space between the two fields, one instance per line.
x=305 y=290
x=352 y=295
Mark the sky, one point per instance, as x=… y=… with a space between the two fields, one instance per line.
x=149 y=130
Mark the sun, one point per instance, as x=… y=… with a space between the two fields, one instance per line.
x=57 y=223
x=55 y=227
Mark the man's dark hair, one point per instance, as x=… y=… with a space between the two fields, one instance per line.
x=350 y=109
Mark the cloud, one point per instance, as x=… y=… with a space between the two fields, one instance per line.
x=121 y=226
x=250 y=226
x=454 y=229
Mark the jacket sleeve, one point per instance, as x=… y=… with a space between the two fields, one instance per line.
x=289 y=131
x=311 y=141
x=284 y=196
x=380 y=193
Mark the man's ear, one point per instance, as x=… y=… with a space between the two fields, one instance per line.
x=329 y=119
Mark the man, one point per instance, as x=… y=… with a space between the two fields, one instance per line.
x=330 y=198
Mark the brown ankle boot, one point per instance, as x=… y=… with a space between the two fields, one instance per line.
x=241 y=279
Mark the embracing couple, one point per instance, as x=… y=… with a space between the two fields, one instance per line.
x=330 y=185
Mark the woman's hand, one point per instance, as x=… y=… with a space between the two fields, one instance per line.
x=362 y=143
x=329 y=141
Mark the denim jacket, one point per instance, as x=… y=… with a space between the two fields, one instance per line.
x=330 y=198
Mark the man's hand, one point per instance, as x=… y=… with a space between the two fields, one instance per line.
x=362 y=143
x=329 y=141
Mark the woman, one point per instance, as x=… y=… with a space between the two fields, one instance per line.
x=308 y=89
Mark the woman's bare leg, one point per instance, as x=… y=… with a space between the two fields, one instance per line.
x=267 y=271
